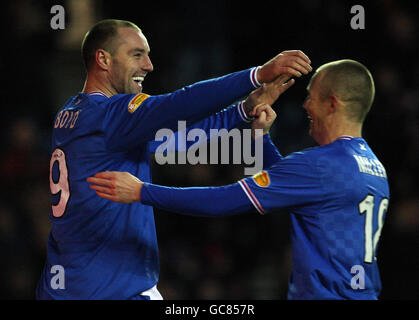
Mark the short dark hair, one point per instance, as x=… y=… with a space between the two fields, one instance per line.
x=102 y=35
x=352 y=83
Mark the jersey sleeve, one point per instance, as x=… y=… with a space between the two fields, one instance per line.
x=186 y=136
x=197 y=201
x=293 y=182
x=271 y=154
x=131 y=120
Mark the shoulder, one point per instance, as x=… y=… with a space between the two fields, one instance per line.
x=297 y=164
x=128 y=102
x=305 y=156
x=319 y=160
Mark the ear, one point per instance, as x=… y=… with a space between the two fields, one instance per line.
x=103 y=59
x=333 y=103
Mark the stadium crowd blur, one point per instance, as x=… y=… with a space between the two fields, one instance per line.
x=242 y=257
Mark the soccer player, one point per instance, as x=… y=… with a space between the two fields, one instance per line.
x=337 y=193
x=102 y=250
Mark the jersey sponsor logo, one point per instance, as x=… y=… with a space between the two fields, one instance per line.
x=262 y=179
x=136 y=101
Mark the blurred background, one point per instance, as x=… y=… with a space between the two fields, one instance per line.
x=242 y=257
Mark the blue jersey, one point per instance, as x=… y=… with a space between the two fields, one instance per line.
x=337 y=196
x=107 y=250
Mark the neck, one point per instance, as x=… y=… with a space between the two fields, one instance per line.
x=343 y=129
x=95 y=83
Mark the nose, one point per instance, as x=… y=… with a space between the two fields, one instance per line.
x=148 y=66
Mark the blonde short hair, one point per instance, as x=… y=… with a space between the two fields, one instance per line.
x=352 y=83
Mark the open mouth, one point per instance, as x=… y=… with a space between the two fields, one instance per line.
x=138 y=80
x=311 y=121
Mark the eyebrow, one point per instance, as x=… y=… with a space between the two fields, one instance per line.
x=139 y=50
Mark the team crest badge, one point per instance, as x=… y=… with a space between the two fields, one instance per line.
x=262 y=179
x=136 y=101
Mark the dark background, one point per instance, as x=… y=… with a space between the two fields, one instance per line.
x=242 y=257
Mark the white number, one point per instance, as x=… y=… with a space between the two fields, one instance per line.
x=62 y=185
x=367 y=206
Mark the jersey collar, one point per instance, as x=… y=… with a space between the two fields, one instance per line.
x=97 y=93
x=345 y=138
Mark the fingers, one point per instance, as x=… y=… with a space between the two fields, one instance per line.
x=286 y=86
x=295 y=70
x=100 y=181
x=289 y=70
x=101 y=189
x=294 y=62
x=262 y=116
x=259 y=109
x=105 y=174
x=265 y=116
x=106 y=196
x=263 y=111
x=280 y=80
x=298 y=53
x=301 y=65
x=281 y=84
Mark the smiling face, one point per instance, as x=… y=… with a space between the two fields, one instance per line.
x=130 y=63
x=316 y=106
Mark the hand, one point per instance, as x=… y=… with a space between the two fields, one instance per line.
x=264 y=118
x=293 y=62
x=268 y=93
x=117 y=186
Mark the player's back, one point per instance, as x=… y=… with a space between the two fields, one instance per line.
x=335 y=234
x=106 y=249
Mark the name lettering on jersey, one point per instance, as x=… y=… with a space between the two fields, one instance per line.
x=262 y=179
x=66 y=119
x=370 y=166
x=136 y=101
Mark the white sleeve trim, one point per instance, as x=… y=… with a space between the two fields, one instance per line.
x=242 y=113
x=254 y=78
x=251 y=197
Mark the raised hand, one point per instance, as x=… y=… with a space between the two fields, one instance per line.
x=292 y=62
x=264 y=118
x=268 y=93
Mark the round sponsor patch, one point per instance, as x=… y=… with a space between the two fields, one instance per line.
x=262 y=179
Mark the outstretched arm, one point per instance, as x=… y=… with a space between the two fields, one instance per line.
x=233 y=117
x=131 y=120
x=125 y=188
